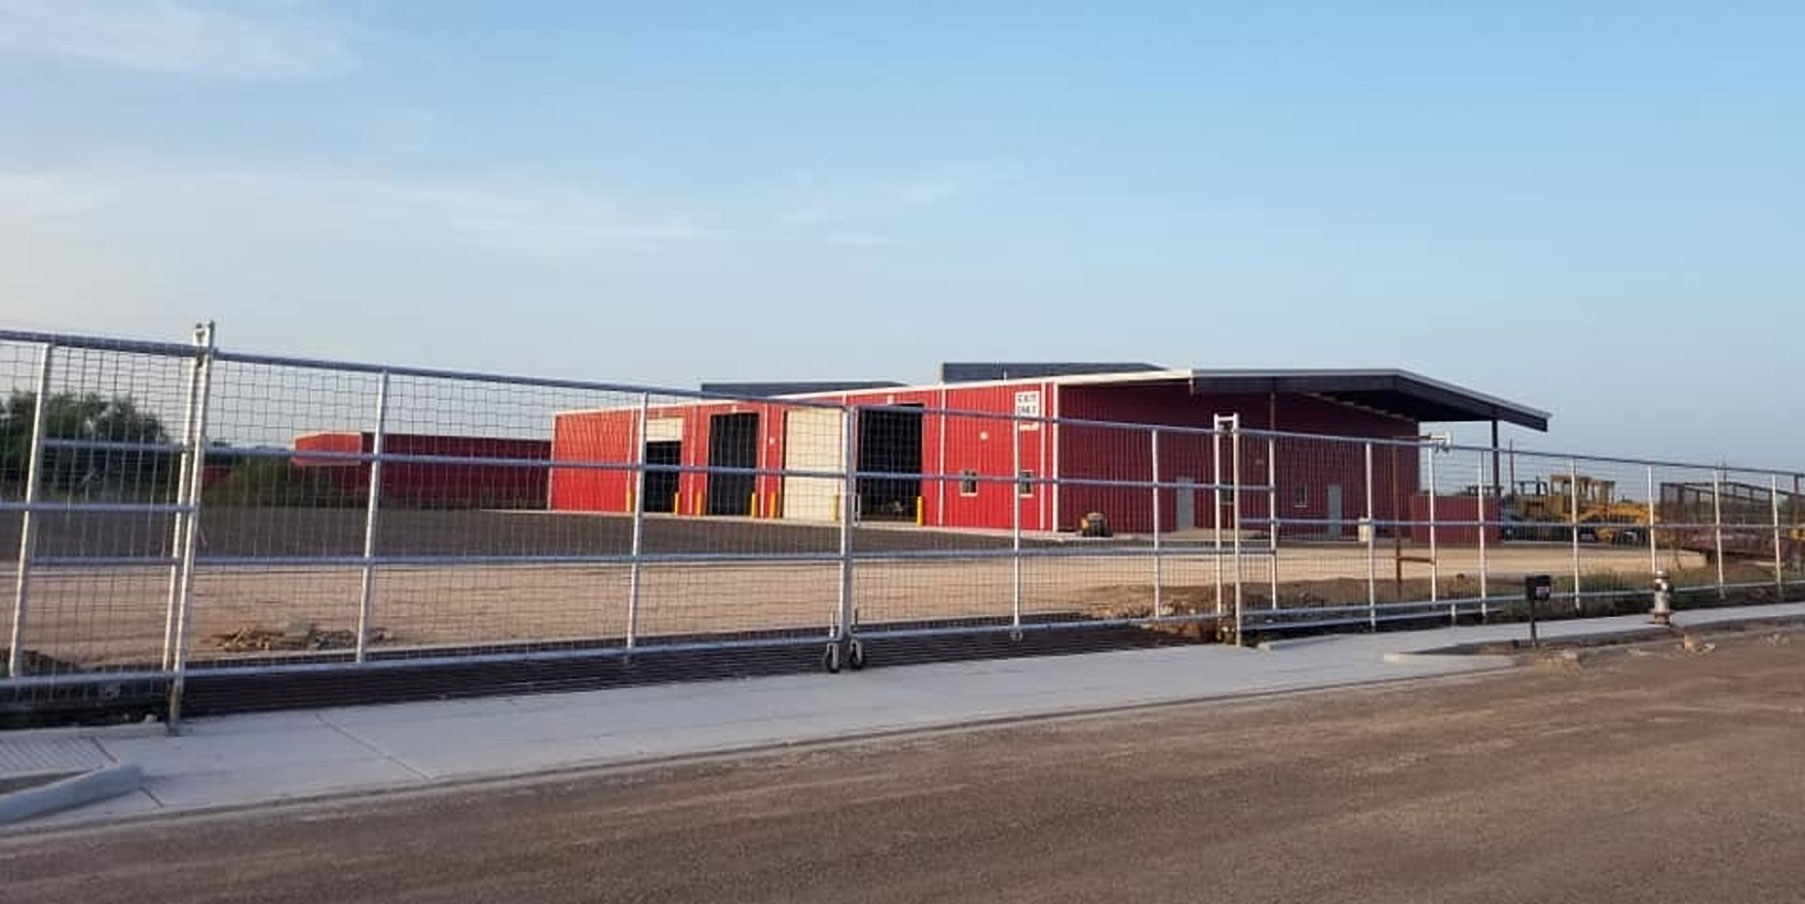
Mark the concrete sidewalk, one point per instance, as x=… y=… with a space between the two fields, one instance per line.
x=256 y=758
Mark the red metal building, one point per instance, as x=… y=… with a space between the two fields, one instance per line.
x=435 y=484
x=951 y=463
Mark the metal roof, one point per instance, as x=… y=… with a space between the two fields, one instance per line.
x=986 y=371
x=1398 y=391
x=795 y=387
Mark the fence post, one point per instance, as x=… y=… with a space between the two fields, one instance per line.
x=189 y=447
x=849 y=489
x=1484 y=523
x=1158 y=608
x=372 y=511
x=1272 y=516
x=1717 y=527
x=34 y=474
x=1773 y=495
x=639 y=519
x=185 y=598
x=1434 y=557
x=1216 y=507
x=1235 y=450
x=1015 y=522
x=1573 y=522
x=1654 y=544
x=1372 y=548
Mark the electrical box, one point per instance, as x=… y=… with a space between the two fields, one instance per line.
x=1538 y=588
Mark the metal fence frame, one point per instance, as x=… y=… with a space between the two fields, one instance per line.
x=1226 y=549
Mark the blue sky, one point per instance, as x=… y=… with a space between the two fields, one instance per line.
x=1596 y=208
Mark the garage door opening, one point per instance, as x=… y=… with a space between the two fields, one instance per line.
x=890 y=444
x=662 y=459
x=732 y=443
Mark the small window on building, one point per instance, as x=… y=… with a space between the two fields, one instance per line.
x=1026 y=486
x=968 y=482
x=1300 y=496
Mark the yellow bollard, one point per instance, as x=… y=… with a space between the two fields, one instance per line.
x=836 y=507
x=752 y=506
x=629 y=500
x=676 y=502
x=918 y=519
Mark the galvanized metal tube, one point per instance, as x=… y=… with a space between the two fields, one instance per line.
x=849 y=492
x=1484 y=525
x=1235 y=450
x=34 y=475
x=1216 y=506
x=1272 y=516
x=1573 y=521
x=639 y=519
x=372 y=512
x=180 y=520
x=1773 y=495
x=1372 y=547
x=1158 y=582
x=185 y=599
x=1434 y=566
x=940 y=465
x=1654 y=544
x=1717 y=526
x=1015 y=521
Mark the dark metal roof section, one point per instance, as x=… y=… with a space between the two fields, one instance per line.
x=982 y=371
x=1397 y=391
x=795 y=387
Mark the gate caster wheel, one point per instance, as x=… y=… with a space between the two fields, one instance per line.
x=855 y=655
x=830 y=659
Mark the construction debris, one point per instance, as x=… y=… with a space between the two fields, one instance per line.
x=299 y=635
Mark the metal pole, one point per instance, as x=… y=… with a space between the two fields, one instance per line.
x=372 y=511
x=1235 y=450
x=1654 y=546
x=34 y=473
x=1773 y=495
x=1216 y=505
x=940 y=468
x=1573 y=521
x=1272 y=515
x=1497 y=491
x=849 y=491
x=1485 y=592
x=1717 y=523
x=1015 y=521
x=1434 y=566
x=1158 y=608
x=639 y=519
x=180 y=520
x=1372 y=547
x=185 y=599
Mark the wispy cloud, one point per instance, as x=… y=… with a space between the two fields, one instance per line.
x=818 y=203
x=257 y=40
x=200 y=208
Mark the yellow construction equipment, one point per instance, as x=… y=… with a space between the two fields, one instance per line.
x=1545 y=505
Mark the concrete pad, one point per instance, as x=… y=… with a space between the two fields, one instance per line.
x=254 y=751
x=99 y=784
x=136 y=803
x=194 y=790
x=501 y=759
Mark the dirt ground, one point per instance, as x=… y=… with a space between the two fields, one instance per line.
x=1661 y=774
x=115 y=616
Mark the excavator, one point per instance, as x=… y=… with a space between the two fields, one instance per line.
x=1544 y=510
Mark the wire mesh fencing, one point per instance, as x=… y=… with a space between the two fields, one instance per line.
x=182 y=509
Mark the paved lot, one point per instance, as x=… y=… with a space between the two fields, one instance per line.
x=1671 y=775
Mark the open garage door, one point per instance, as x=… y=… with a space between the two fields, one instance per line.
x=811 y=442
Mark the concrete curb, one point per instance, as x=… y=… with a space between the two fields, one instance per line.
x=1485 y=661
x=74 y=791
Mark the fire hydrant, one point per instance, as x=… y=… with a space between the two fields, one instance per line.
x=1663 y=611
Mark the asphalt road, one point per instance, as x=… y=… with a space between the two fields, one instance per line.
x=1670 y=776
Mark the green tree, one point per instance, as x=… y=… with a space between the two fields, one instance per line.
x=94 y=418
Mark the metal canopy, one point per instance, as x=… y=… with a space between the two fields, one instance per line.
x=1397 y=391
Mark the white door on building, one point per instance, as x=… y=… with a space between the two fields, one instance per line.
x=811 y=442
x=1334 y=516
